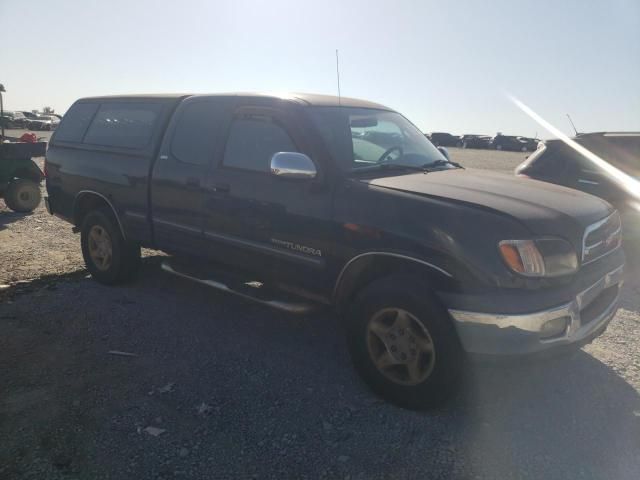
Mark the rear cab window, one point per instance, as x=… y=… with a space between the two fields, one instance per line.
x=124 y=124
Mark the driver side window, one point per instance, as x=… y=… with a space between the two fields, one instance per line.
x=252 y=141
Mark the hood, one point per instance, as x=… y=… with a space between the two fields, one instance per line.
x=544 y=208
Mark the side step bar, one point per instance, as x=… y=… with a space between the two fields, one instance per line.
x=295 y=307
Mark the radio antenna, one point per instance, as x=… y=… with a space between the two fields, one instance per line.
x=338 y=76
x=571 y=122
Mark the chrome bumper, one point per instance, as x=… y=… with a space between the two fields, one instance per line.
x=494 y=333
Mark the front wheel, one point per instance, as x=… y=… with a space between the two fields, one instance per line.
x=23 y=195
x=403 y=344
x=108 y=256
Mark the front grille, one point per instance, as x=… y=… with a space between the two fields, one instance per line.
x=601 y=238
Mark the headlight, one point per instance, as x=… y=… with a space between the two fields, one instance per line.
x=545 y=257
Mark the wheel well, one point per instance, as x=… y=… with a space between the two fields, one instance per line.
x=88 y=202
x=362 y=271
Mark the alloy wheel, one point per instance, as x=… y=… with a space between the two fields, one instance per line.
x=100 y=247
x=400 y=346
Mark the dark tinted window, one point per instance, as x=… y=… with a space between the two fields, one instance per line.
x=75 y=122
x=196 y=132
x=253 y=141
x=127 y=125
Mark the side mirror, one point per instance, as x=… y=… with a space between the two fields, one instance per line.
x=292 y=165
x=444 y=152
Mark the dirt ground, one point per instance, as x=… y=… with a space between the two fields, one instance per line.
x=203 y=385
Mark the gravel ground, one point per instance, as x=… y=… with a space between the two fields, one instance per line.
x=234 y=390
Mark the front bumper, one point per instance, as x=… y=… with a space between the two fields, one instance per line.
x=586 y=316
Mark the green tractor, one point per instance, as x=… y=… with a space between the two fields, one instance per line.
x=20 y=177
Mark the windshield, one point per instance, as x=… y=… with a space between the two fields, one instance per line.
x=364 y=138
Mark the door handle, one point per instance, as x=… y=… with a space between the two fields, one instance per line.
x=220 y=188
x=192 y=182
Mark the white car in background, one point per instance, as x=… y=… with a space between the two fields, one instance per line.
x=43 y=122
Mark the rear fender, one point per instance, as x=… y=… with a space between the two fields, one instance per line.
x=87 y=201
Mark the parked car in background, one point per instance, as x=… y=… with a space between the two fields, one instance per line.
x=556 y=162
x=29 y=115
x=443 y=139
x=531 y=144
x=474 y=141
x=513 y=143
x=307 y=200
x=11 y=119
x=42 y=122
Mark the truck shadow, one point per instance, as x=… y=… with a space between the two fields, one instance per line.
x=263 y=376
x=560 y=417
x=571 y=414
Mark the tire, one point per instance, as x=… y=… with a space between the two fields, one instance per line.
x=437 y=377
x=23 y=195
x=110 y=259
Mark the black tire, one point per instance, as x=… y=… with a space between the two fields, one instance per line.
x=23 y=195
x=125 y=256
x=412 y=295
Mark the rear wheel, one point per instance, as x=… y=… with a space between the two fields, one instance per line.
x=107 y=255
x=23 y=195
x=403 y=344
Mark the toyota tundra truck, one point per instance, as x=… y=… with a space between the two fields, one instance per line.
x=298 y=201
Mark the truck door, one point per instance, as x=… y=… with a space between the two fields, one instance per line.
x=277 y=226
x=178 y=192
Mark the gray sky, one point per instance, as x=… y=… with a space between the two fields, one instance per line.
x=448 y=66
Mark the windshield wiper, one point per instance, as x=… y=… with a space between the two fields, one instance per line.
x=440 y=163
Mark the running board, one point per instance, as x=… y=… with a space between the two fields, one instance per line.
x=290 y=306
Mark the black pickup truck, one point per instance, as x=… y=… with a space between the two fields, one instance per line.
x=303 y=200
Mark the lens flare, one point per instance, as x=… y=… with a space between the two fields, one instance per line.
x=626 y=181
